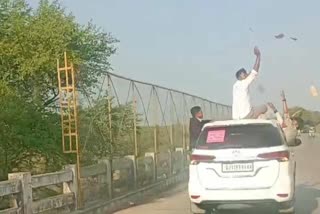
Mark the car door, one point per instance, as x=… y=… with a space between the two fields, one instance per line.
x=292 y=159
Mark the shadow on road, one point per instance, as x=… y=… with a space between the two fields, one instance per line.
x=307 y=199
x=156 y=196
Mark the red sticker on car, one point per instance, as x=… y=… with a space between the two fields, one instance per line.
x=216 y=136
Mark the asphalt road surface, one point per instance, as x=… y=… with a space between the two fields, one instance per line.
x=307 y=188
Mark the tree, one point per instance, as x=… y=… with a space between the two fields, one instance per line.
x=27 y=134
x=30 y=42
x=306 y=117
x=95 y=130
x=32 y=39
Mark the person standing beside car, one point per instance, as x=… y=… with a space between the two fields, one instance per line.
x=196 y=124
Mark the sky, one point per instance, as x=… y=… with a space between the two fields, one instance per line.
x=197 y=45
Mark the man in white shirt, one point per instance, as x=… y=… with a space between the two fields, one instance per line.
x=241 y=107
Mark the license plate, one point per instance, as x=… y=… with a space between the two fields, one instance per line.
x=237 y=167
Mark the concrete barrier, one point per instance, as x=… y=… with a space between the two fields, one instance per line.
x=134 y=197
x=104 y=187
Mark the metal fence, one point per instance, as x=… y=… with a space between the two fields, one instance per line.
x=128 y=117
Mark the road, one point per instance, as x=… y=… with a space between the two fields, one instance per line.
x=308 y=188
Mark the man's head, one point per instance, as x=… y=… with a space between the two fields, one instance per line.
x=196 y=112
x=241 y=74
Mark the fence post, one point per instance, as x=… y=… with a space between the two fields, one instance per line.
x=154 y=167
x=26 y=187
x=170 y=162
x=135 y=170
x=184 y=159
x=72 y=186
x=108 y=176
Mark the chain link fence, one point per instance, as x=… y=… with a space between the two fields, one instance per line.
x=128 y=117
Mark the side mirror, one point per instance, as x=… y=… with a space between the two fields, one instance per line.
x=298 y=142
x=294 y=142
x=291 y=137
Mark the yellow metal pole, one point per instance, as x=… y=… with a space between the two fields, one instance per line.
x=184 y=146
x=69 y=101
x=174 y=119
x=134 y=106
x=155 y=116
x=110 y=114
x=69 y=116
x=171 y=135
x=155 y=130
x=61 y=108
x=78 y=149
x=109 y=99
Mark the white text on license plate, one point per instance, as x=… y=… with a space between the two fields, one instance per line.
x=237 y=167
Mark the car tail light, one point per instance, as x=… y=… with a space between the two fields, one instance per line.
x=196 y=159
x=283 y=195
x=281 y=156
x=195 y=196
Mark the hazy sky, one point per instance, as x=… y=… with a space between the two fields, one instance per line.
x=198 y=45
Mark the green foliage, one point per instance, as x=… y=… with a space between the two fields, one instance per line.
x=99 y=141
x=310 y=118
x=32 y=39
x=28 y=132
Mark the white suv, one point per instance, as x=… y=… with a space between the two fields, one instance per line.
x=242 y=164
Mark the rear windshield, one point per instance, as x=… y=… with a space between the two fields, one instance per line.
x=240 y=136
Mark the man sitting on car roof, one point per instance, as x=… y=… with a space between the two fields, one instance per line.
x=241 y=106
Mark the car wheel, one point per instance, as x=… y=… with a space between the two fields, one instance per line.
x=196 y=210
x=291 y=212
x=212 y=212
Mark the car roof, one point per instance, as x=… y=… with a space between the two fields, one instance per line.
x=240 y=122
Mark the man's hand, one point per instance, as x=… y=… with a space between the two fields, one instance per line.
x=257 y=51
x=272 y=107
x=257 y=63
x=283 y=96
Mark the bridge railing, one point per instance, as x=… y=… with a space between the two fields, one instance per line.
x=104 y=181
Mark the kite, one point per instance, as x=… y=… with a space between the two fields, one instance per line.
x=293 y=38
x=313 y=91
x=279 y=36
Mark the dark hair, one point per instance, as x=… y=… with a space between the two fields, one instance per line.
x=194 y=110
x=242 y=70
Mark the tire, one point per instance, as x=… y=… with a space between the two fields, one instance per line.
x=211 y=212
x=291 y=212
x=194 y=209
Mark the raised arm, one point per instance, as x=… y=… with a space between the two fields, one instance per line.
x=285 y=105
x=275 y=111
x=253 y=74
x=256 y=66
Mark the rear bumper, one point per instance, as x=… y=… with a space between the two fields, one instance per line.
x=281 y=191
x=270 y=204
x=231 y=196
